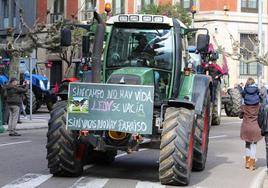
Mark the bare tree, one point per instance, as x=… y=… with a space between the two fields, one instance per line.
x=45 y=36
x=240 y=49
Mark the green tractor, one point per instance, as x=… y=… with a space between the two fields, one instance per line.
x=181 y=103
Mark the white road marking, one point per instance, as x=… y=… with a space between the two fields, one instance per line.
x=145 y=184
x=92 y=183
x=86 y=167
x=13 y=143
x=231 y=123
x=34 y=180
x=258 y=179
x=219 y=136
x=29 y=181
x=124 y=154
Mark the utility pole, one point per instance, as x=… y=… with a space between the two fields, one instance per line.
x=259 y=67
x=31 y=85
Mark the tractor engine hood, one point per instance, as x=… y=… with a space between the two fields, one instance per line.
x=132 y=76
x=39 y=81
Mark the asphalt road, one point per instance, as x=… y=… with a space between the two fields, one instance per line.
x=23 y=164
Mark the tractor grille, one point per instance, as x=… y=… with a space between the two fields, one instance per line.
x=45 y=83
x=124 y=79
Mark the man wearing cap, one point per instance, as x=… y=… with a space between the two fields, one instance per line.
x=13 y=94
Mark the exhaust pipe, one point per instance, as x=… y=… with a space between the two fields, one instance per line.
x=97 y=49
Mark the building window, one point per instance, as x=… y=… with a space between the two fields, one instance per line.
x=14 y=14
x=247 y=41
x=118 y=7
x=187 y=4
x=59 y=6
x=249 y=6
x=5 y=7
x=145 y=3
x=88 y=5
x=5 y=4
x=87 y=14
x=58 y=11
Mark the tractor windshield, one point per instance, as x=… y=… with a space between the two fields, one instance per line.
x=138 y=47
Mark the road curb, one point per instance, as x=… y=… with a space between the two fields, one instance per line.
x=260 y=180
x=30 y=124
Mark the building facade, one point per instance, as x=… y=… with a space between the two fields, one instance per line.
x=237 y=19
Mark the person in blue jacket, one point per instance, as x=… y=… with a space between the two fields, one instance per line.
x=250 y=131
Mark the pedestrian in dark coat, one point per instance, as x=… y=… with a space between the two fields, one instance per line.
x=263 y=123
x=13 y=92
x=250 y=131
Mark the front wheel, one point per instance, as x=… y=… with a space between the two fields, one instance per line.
x=27 y=103
x=64 y=154
x=176 y=149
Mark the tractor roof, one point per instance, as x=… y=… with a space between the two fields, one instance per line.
x=142 y=18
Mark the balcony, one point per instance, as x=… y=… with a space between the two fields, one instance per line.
x=86 y=16
x=55 y=17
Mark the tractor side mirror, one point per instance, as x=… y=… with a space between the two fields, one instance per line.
x=85 y=46
x=66 y=37
x=202 y=42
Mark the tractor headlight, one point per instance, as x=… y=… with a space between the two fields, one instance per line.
x=42 y=85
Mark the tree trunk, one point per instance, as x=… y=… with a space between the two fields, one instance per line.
x=14 y=67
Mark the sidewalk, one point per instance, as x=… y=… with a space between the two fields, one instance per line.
x=265 y=182
x=30 y=124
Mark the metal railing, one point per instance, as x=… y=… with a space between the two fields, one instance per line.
x=86 y=15
x=55 y=17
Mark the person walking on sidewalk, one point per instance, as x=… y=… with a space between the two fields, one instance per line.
x=13 y=94
x=250 y=131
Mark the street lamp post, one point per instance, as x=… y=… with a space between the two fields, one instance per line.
x=259 y=67
x=193 y=11
x=31 y=86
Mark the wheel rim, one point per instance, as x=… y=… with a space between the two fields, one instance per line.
x=204 y=139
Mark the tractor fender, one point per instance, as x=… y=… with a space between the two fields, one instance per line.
x=181 y=103
x=201 y=85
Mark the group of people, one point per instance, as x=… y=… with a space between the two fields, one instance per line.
x=12 y=95
x=252 y=130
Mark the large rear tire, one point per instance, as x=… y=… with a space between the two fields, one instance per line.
x=232 y=108
x=26 y=102
x=216 y=109
x=64 y=153
x=176 y=149
x=202 y=127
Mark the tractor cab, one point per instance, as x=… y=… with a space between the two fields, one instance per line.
x=141 y=50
